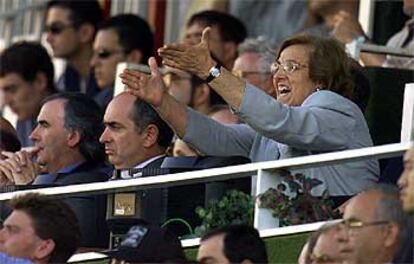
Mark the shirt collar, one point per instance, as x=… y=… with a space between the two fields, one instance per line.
x=126 y=175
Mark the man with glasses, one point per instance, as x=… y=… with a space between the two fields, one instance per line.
x=374 y=225
x=123 y=38
x=253 y=63
x=70 y=27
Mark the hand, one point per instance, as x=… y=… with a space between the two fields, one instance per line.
x=346 y=27
x=195 y=59
x=149 y=88
x=18 y=167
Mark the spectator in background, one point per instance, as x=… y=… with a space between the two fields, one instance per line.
x=227 y=32
x=41 y=229
x=406 y=181
x=8 y=137
x=374 y=224
x=253 y=64
x=136 y=137
x=122 y=38
x=26 y=78
x=325 y=12
x=347 y=28
x=71 y=27
x=222 y=114
x=324 y=246
x=146 y=243
x=264 y=18
x=232 y=244
x=67 y=151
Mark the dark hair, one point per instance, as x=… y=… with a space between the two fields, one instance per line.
x=230 y=28
x=81 y=12
x=27 y=59
x=143 y=115
x=52 y=219
x=134 y=33
x=362 y=88
x=328 y=62
x=9 y=142
x=83 y=114
x=241 y=242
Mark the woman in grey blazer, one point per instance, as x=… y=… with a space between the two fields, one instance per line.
x=312 y=112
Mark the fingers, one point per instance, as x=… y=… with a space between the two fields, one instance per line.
x=154 y=67
x=13 y=162
x=6 y=171
x=171 y=63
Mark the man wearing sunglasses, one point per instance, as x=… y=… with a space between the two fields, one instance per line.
x=70 y=29
x=374 y=226
x=122 y=38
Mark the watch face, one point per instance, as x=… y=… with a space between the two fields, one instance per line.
x=215 y=72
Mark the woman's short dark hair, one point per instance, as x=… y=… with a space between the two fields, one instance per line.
x=328 y=63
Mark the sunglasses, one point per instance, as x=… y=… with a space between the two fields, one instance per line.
x=57 y=28
x=104 y=54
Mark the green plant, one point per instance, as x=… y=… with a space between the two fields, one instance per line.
x=301 y=207
x=235 y=207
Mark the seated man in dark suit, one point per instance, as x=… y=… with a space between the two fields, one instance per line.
x=67 y=151
x=136 y=137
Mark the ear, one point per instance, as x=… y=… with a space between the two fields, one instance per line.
x=201 y=95
x=135 y=56
x=86 y=33
x=391 y=235
x=40 y=82
x=151 y=134
x=73 y=138
x=44 y=249
x=247 y=261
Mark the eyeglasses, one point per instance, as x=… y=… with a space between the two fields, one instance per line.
x=244 y=74
x=104 y=54
x=353 y=223
x=287 y=66
x=57 y=28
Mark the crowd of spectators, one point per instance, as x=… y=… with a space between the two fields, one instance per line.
x=219 y=93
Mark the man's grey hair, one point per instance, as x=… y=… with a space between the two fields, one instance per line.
x=260 y=46
x=389 y=207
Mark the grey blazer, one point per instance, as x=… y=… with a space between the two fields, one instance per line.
x=325 y=122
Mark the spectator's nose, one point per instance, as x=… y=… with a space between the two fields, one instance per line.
x=104 y=138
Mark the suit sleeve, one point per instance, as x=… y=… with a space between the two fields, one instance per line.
x=324 y=122
x=213 y=138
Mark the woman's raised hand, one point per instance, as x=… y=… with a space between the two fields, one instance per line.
x=194 y=59
x=149 y=88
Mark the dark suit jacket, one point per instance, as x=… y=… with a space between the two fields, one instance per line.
x=154 y=201
x=90 y=209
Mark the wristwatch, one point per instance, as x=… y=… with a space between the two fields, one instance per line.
x=214 y=72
